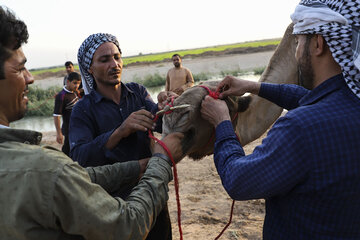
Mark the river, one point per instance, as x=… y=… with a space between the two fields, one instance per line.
x=46 y=124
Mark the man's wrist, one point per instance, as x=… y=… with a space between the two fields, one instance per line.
x=163 y=156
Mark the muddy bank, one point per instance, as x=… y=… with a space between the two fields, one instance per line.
x=208 y=64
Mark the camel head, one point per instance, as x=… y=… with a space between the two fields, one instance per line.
x=252 y=121
x=199 y=134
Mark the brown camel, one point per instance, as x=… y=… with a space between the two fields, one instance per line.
x=252 y=115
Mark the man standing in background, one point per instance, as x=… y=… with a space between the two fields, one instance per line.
x=64 y=102
x=178 y=78
x=69 y=66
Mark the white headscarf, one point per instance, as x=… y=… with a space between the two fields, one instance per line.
x=86 y=53
x=338 y=21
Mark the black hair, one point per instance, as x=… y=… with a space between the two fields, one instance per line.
x=176 y=55
x=13 y=33
x=74 y=76
x=68 y=63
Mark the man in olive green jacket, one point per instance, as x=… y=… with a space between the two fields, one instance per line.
x=44 y=194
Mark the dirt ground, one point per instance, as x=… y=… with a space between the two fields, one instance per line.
x=205 y=206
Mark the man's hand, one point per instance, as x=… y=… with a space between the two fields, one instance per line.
x=214 y=111
x=231 y=86
x=141 y=120
x=173 y=142
x=165 y=97
x=59 y=138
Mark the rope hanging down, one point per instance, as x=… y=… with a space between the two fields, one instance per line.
x=167 y=110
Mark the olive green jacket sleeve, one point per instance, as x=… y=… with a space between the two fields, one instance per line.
x=114 y=177
x=86 y=209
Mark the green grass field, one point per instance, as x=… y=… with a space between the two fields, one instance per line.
x=158 y=57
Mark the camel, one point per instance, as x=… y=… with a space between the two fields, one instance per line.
x=252 y=115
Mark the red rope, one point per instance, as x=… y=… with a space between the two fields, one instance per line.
x=215 y=95
x=228 y=224
x=176 y=181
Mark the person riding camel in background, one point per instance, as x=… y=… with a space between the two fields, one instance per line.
x=46 y=195
x=178 y=78
x=307 y=168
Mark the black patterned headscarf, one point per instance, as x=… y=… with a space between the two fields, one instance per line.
x=338 y=21
x=86 y=53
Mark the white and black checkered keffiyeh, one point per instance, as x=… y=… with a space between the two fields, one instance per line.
x=86 y=53
x=338 y=21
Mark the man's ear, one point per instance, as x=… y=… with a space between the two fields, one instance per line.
x=320 y=46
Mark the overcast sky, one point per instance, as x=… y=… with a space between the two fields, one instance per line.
x=58 y=27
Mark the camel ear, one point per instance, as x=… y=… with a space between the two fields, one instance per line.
x=238 y=104
x=243 y=103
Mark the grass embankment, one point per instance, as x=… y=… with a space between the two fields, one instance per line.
x=159 y=57
x=42 y=100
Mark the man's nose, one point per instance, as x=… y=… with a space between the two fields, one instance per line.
x=29 y=79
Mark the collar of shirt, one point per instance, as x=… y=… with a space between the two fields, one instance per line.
x=20 y=135
x=98 y=97
x=3 y=126
x=325 y=88
x=66 y=90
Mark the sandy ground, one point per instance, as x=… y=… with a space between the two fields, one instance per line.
x=205 y=206
x=196 y=65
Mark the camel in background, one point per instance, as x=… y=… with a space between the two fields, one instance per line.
x=252 y=115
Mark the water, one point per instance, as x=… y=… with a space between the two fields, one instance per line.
x=46 y=124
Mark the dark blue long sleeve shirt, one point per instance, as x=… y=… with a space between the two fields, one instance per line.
x=308 y=166
x=94 y=118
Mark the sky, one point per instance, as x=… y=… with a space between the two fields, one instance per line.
x=58 y=27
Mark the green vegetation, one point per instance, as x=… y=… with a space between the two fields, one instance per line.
x=41 y=101
x=158 y=57
x=167 y=55
x=259 y=71
x=234 y=72
x=153 y=80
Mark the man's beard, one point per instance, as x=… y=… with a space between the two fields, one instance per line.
x=306 y=72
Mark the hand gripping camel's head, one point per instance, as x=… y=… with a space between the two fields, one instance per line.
x=199 y=134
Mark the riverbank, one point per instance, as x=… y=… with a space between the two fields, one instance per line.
x=210 y=64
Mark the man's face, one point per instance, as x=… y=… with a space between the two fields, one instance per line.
x=69 y=69
x=303 y=58
x=73 y=85
x=176 y=61
x=14 y=88
x=106 y=66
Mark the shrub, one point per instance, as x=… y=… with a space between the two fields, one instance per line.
x=259 y=70
x=154 y=80
x=201 y=76
x=41 y=101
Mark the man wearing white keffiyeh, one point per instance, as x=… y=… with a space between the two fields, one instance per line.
x=110 y=124
x=307 y=168
x=338 y=22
